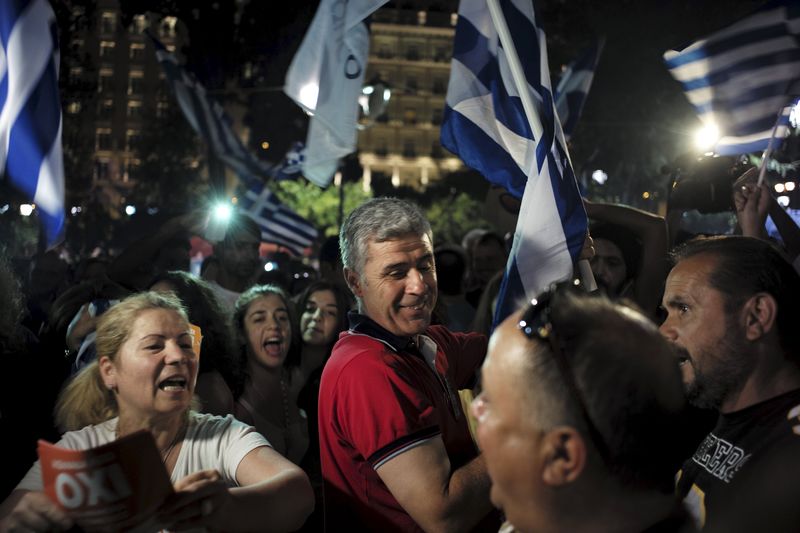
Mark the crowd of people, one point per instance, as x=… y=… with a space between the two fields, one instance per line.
x=374 y=395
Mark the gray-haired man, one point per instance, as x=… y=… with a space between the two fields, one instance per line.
x=396 y=450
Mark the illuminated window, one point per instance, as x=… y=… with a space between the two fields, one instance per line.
x=137 y=52
x=135 y=83
x=103 y=139
x=131 y=166
x=131 y=140
x=106 y=108
x=107 y=49
x=162 y=108
x=140 y=23
x=108 y=22
x=134 y=109
x=102 y=169
x=167 y=27
x=106 y=81
x=75 y=74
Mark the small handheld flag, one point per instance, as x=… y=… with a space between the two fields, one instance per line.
x=742 y=78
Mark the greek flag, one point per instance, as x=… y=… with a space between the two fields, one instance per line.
x=486 y=125
x=326 y=77
x=208 y=118
x=292 y=164
x=278 y=223
x=739 y=78
x=573 y=87
x=30 y=109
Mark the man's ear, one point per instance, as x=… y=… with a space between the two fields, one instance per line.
x=564 y=456
x=354 y=282
x=108 y=372
x=759 y=313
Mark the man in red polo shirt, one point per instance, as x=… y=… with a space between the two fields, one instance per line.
x=395 y=446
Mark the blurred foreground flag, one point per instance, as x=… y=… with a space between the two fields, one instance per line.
x=485 y=123
x=278 y=223
x=326 y=77
x=573 y=87
x=739 y=78
x=30 y=109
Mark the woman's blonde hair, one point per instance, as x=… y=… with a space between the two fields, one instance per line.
x=86 y=400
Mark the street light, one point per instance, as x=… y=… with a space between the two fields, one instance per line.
x=26 y=209
x=373 y=100
x=706 y=137
x=599 y=176
x=222 y=212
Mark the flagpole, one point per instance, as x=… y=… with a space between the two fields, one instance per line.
x=530 y=109
x=516 y=68
x=762 y=171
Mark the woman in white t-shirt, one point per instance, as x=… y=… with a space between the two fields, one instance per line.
x=226 y=476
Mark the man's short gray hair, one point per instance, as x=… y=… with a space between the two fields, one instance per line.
x=379 y=220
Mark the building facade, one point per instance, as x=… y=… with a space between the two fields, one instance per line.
x=130 y=87
x=411 y=52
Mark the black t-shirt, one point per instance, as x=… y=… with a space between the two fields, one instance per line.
x=740 y=469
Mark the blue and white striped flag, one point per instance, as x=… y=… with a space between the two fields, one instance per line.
x=30 y=109
x=739 y=78
x=485 y=124
x=209 y=120
x=278 y=223
x=292 y=164
x=573 y=87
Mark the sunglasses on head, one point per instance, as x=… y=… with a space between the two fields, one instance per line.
x=536 y=323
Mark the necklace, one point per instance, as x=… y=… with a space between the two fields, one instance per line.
x=164 y=452
x=165 y=456
x=284 y=397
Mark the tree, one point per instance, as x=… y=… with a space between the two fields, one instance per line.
x=320 y=206
x=453 y=216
